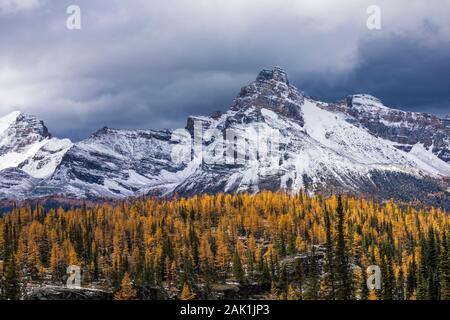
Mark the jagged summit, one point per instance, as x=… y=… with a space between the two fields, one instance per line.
x=19 y=124
x=276 y=73
x=31 y=122
x=27 y=147
x=272 y=91
x=363 y=100
x=17 y=130
x=102 y=131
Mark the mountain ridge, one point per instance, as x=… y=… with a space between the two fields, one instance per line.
x=357 y=145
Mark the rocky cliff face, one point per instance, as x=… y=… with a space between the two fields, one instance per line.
x=272 y=137
x=406 y=129
x=271 y=91
x=113 y=163
x=28 y=154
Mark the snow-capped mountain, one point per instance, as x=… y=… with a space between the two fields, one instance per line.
x=25 y=143
x=28 y=154
x=357 y=145
x=406 y=129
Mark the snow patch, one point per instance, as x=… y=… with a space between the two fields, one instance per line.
x=428 y=160
x=8 y=120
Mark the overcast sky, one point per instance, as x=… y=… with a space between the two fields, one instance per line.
x=151 y=63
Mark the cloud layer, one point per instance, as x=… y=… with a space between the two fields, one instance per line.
x=149 y=64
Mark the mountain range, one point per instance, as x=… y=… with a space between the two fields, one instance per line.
x=356 y=145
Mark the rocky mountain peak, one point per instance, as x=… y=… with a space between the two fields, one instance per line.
x=31 y=124
x=363 y=100
x=277 y=74
x=18 y=131
x=21 y=124
x=102 y=131
x=27 y=146
x=272 y=91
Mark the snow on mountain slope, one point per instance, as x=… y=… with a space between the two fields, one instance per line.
x=404 y=128
x=322 y=149
x=42 y=163
x=28 y=154
x=16 y=184
x=287 y=142
x=112 y=163
x=25 y=143
x=8 y=120
x=334 y=131
x=429 y=160
x=14 y=158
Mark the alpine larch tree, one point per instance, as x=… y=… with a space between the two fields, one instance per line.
x=288 y=246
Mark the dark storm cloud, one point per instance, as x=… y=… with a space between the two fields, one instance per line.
x=150 y=64
x=403 y=72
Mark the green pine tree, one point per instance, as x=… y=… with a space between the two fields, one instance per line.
x=313 y=280
x=344 y=285
x=329 y=277
x=433 y=267
x=411 y=279
x=264 y=278
x=364 y=290
x=299 y=277
x=422 y=272
x=238 y=271
x=387 y=270
x=445 y=269
x=11 y=285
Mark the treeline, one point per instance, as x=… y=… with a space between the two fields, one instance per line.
x=292 y=246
